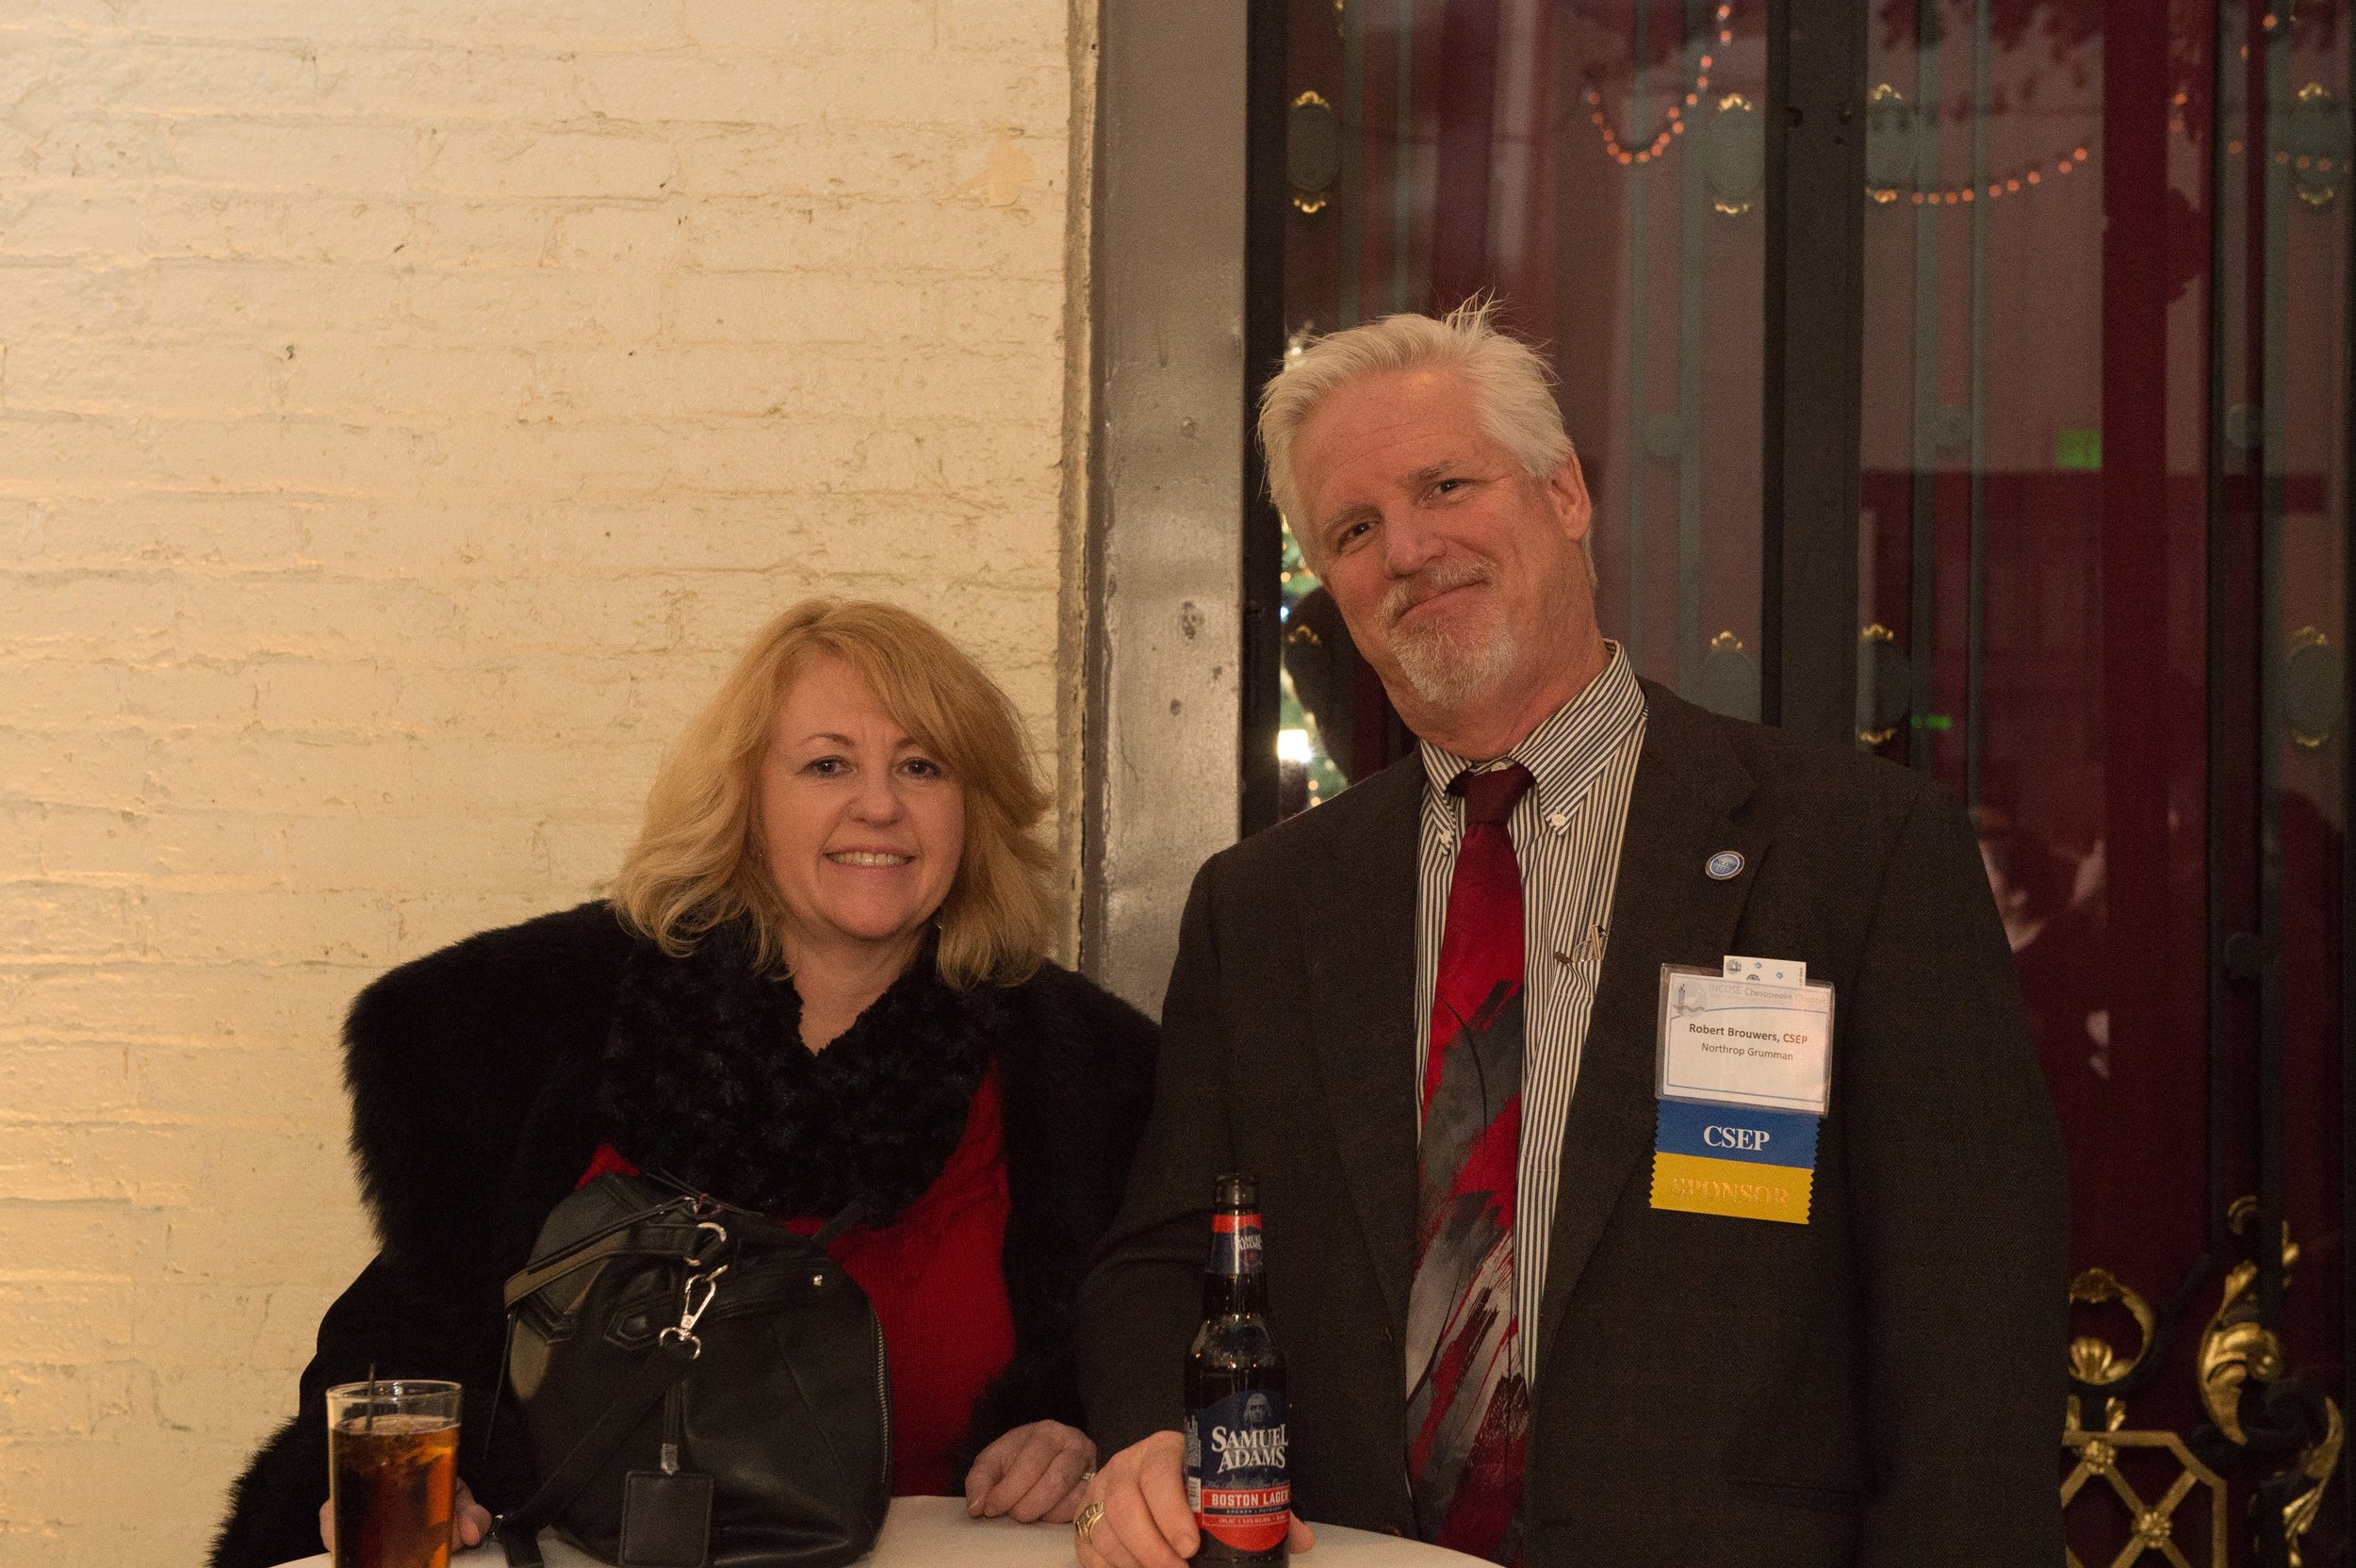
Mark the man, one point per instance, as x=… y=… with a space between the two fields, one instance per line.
x=1426 y=1016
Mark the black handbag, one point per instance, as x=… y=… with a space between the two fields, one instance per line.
x=697 y=1385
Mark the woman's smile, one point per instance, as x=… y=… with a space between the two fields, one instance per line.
x=869 y=858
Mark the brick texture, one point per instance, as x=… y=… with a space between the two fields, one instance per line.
x=406 y=411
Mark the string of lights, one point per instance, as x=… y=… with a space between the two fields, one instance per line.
x=2016 y=181
x=1998 y=187
x=1672 y=125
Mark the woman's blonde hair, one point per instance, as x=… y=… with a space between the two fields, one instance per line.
x=697 y=859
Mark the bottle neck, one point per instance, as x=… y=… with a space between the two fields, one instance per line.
x=1234 y=1296
x=1233 y=1283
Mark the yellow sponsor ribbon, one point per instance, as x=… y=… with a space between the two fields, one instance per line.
x=1742 y=1188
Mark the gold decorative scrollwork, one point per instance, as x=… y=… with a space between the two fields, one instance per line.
x=2092 y=1359
x=2235 y=1350
x=2315 y=1465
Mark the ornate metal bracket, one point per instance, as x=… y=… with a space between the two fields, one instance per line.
x=1884 y=685
x=1313 y=152
x=2312 y=671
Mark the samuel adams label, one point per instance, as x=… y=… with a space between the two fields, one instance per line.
x=1237 y=1478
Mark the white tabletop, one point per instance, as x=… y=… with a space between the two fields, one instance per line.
x=921 y=1533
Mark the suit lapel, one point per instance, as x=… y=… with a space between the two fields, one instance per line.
x=1360 y=913
x=1665 y=909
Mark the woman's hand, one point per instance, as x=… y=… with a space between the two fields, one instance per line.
x=469 y=1522
x=1036 y=1472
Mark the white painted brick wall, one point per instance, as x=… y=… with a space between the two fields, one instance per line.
x=406 y=410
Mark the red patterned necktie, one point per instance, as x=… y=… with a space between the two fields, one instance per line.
x=1467 y=1402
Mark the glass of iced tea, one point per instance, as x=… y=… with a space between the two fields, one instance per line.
x=392 y=1448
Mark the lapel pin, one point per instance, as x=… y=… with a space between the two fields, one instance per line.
x=1725 y=866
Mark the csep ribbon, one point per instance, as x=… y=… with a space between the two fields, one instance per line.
x=1742 y=1161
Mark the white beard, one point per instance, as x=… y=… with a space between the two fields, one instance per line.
x=1446 y=664
x=1446 y=671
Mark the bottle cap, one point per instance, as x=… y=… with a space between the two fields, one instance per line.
x=1236 y=1191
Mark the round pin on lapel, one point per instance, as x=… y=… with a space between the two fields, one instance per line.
x=1725 y=866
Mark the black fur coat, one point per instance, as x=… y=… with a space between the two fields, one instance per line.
x=485 y=1076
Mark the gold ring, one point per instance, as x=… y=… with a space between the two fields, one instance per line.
x=1088 y=1519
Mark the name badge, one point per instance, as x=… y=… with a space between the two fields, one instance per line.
x=1744 y=1041
x=1743 y=1077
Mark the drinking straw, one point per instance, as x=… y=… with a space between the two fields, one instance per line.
x=368 y=1422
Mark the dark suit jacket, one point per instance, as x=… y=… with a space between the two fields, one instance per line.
x=1883 y=1385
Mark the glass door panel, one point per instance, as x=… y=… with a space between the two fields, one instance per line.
x=2102 y=557
x=1599 y=168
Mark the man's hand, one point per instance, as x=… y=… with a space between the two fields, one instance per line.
x=1035 y=1472
x=1146 y=1523
x=469 y=1522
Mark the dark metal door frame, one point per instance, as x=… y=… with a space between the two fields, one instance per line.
x=1815 y=328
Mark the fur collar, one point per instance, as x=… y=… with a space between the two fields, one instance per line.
x=707 y=1081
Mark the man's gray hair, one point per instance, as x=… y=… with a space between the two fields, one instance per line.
x=1512 y=389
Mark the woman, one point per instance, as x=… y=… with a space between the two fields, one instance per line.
x=820 y=978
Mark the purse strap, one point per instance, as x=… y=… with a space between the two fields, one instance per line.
x=519 y=1529
x=634 y=1237
x=853 y=1211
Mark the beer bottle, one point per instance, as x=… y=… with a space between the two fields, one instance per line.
x=1237 y=1483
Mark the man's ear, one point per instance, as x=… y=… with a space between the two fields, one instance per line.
x=1566 y=491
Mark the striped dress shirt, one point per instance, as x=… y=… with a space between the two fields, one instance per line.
x=1567 y=831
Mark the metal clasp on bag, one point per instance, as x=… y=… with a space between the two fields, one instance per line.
x=693 y=1307
x=719 y=1243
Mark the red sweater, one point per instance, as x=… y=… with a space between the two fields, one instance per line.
x=939 y=1287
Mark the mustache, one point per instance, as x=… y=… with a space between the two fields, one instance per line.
x=1433 y=580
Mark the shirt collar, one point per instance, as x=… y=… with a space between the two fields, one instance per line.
x=1567 y=753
